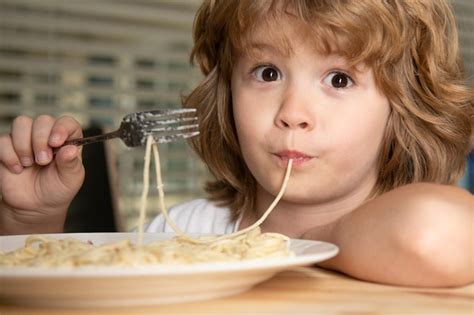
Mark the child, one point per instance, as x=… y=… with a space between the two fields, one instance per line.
x=366 y=97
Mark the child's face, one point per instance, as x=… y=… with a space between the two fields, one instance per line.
x=312 y=108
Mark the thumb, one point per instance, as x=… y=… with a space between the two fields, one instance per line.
x=69 y=166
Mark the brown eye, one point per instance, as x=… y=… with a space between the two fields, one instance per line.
x=338 y=80
x=266 y=73
x=269 y=74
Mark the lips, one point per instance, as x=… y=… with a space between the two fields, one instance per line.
x=295 y=155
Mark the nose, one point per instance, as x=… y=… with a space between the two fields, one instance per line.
x=295 y=111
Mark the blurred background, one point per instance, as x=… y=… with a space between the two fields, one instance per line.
x=98 y=60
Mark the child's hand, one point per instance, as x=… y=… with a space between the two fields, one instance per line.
x=37 y=186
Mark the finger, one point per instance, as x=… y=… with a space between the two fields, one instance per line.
x=41 y=131
x=21 y=138
x=64 y=128
x=69 y=166
x=8 y=156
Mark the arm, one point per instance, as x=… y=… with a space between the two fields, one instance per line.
x=415 y=235
x=36 y=187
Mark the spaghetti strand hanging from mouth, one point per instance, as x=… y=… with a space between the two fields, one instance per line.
x=164 y=211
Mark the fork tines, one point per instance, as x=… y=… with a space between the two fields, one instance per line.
x=169 y=125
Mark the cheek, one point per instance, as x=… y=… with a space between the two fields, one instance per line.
x=244 y=122
x=252 y=116
x=361 y=134
x=367 y=132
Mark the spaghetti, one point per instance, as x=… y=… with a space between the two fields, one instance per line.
x=249 y=243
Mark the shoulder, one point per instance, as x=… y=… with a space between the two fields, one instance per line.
x=425 y=206
x=431 y=197
x=435 y=209
x=196 y=216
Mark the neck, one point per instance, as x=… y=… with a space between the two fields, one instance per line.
x=295 y=218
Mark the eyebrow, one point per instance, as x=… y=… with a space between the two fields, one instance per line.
x=260 y=45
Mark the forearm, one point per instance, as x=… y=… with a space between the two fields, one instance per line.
x=16 y=221
x=408 y=238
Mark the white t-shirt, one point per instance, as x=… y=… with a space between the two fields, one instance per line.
x=197 y=216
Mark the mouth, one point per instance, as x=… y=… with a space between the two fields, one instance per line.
x=297 y=157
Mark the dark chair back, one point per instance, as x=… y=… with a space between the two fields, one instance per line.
x=94 y=207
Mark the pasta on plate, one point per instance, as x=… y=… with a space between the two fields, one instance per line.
x=249 y=243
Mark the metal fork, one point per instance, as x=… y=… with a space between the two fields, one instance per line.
x=165 y=125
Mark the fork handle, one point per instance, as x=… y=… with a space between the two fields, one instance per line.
x=89 y=140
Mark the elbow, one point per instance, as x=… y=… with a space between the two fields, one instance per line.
x=440 y=262
x=439 y=241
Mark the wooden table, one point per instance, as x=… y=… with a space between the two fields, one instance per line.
x=305 y=291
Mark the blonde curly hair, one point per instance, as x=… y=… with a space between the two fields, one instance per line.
x=412 y=47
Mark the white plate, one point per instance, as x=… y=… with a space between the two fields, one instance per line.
x=157 y=284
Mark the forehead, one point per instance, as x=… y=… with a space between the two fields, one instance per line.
x=279 y=33
x=329 y=30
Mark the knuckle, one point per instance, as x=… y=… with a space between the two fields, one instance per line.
x=22 y=120
x=66 y=117
x=68 y=120
x=69 y=125
x=42 y=127
x=44 y=118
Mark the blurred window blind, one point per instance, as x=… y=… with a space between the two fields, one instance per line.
x=464 y=10
x=98 y=60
